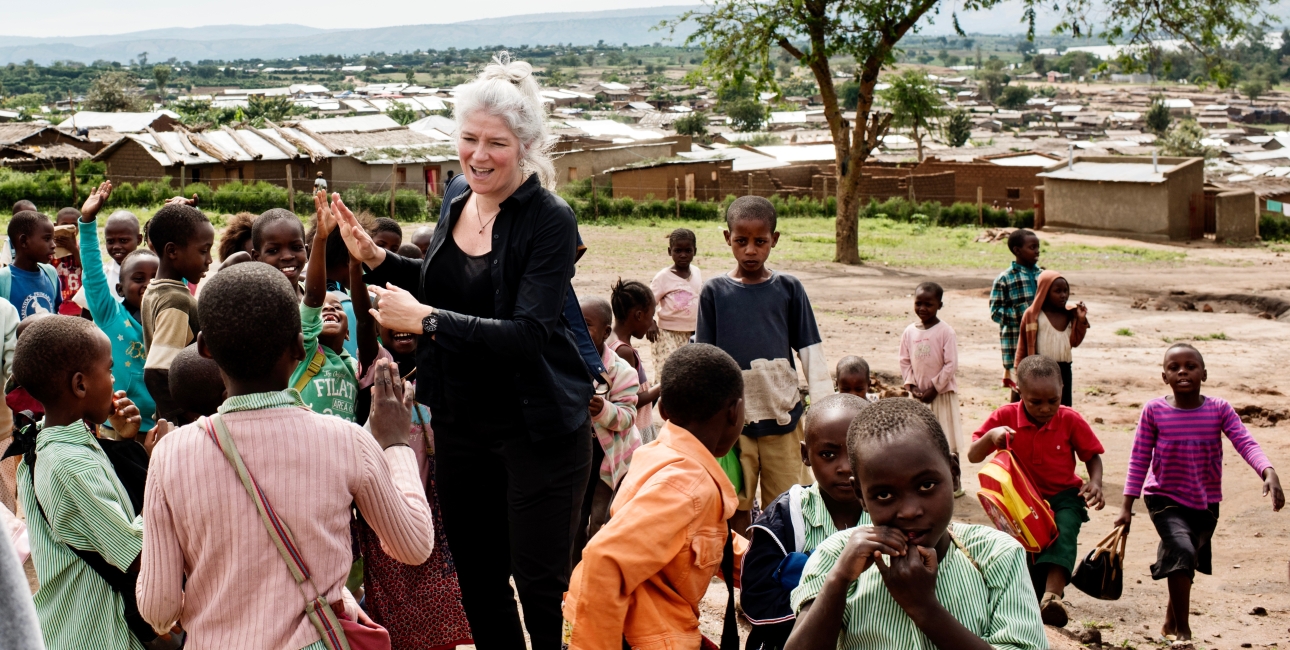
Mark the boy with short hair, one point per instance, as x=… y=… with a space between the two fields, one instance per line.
x=196 y=385
x=1012 y=293
x=759 y=317
x=121 y=236
x=76 y=506
x=387 y=234
x=182 y=237
x=1046 y=438
x=31 y=283
x=23 y=205
x=852 y=376
x=642 y=577
x=790 y=528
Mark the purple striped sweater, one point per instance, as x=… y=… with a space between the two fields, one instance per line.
x=1178 y=453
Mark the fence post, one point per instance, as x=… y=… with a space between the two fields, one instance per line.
x=676 y=190
x=393 y=182
x=291 y=190
x=980 y=198
x=595 y=207
x=76 y=197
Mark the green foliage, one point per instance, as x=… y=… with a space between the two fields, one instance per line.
x=26 y=100
x=1015 y=97
x=401 y=113
x=114 y=91
x=992 y=83
x=1158 y=117
x=957 y=128
x=914 y=103
x=1184 y=140
x=261 y=108
x=849 y=95
x=1124 y=331
x=1039 y=63
x=746 y=114
x=1274 y=228
x=1253 y=89
x=161 y=74
x=693 y=124
x=200 y=114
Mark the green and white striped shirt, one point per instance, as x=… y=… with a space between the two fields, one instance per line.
x=88 y=508
x=993 y=597
x=818 y=522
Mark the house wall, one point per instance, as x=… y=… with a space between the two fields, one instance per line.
x=994 y=181
x=595 y=160
x=1236 y=216
x=1151 y=211
x=129 y=163
x=663 y=181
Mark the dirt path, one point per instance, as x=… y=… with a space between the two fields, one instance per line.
x=863 y=310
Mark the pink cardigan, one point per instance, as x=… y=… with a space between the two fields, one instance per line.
x=199 y=522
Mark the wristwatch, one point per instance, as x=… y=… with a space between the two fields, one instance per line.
x=430 y=323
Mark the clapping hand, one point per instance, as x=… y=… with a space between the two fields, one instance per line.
x=95 y=201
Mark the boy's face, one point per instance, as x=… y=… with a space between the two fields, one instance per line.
x=66 y=218
x=390 y=241
x=96 y=380
x=192 y=260
x=121 y=238
x=1041 y=397
x=1058 y=294
x=750 y=241
x=282 y=246
x=400 y=343
x=825 y=452
x=854 y=383
x=39 y=245
x=335 y=325
x=926 y=305
x=596 y=325
x=1028 y=253
x=908 y=485
x=1184 y=371
x=682 y=253
x=135 y=278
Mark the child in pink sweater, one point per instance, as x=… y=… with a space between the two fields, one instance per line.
x=676 y=291
x=928 y=359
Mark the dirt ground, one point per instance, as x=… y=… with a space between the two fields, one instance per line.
x=1135 y=310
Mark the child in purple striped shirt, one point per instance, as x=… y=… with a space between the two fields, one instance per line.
x=1176 y=465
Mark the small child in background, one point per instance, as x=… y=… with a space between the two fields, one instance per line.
x=1177 y=467
x=642 y=577
x=182 y=237
x=278 y=239
x=31 y=284
x=118 y=318
x=67 y=260
x=1045 y=438
x=792 y=526
x=1011 y=295
x=387 y=234
x=16 y=396
x=121 y=236
x=1052 y=329
x=338 y=274
x=236 y=236
x=928 y=360
x=196 y=385
x=676 y=291
x=941 y=584
x=852 y=376
x=633 y=307
x=613 y=418
x=23 y=205
x=421 y=238
x=411 y=251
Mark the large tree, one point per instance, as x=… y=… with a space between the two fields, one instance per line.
x=742 y=38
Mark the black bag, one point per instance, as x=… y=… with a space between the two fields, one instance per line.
x=1101 y=574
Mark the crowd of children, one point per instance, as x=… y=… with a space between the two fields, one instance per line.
x=853 y=544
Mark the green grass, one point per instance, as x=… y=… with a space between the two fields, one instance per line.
x=1124 y=331
x=882 y=242
x=1219 y=336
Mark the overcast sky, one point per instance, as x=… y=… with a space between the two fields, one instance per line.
x=93 y=17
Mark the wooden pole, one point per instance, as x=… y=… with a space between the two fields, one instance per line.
x=394 y=180
x=980 y=198
x=595 y=207
x=676 y=189
x=291 y=190
x=76 y=197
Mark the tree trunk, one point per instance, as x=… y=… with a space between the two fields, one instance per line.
x=846 y=241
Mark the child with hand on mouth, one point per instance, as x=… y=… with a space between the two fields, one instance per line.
x=912 y=579
x=1046 y=438
x=1176 y=466
x=792 y=526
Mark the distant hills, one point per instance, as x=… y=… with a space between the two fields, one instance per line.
x=232 y=42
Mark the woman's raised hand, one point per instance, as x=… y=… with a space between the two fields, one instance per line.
x=357 y=240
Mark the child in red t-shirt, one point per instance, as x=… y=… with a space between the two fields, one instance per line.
x=1045 y=438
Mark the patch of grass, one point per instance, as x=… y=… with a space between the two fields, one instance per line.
x=1218 y=336
x=1168 y=339
x=1124 y=331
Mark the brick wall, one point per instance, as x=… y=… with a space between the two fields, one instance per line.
x=129 y=163
x=1006 y=187
x=933 y=187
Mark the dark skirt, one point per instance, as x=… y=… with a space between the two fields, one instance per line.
x=1185 y=535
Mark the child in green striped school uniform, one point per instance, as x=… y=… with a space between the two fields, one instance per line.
x=912 y=579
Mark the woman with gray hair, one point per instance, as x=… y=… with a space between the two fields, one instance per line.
x=497 y=363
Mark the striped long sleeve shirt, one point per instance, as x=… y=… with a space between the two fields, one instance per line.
x=85 y=506
x=1012 y=293
x=1178 y=453
x=615 y=425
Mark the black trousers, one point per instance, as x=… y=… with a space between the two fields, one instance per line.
x=511 y=507
x=1068 y=391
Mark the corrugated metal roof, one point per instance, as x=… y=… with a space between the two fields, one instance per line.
x=1114 y=172
x=119 y=122
x=358 y=123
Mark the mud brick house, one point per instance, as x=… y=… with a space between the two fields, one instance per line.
x=372 y=151
x=29 y=147
x=106 y=128
x=1127 y=196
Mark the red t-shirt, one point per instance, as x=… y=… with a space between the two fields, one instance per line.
x=1047 y=453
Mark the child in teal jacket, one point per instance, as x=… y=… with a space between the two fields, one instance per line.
x=118 y=319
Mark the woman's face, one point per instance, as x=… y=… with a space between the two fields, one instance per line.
x=489 y=154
